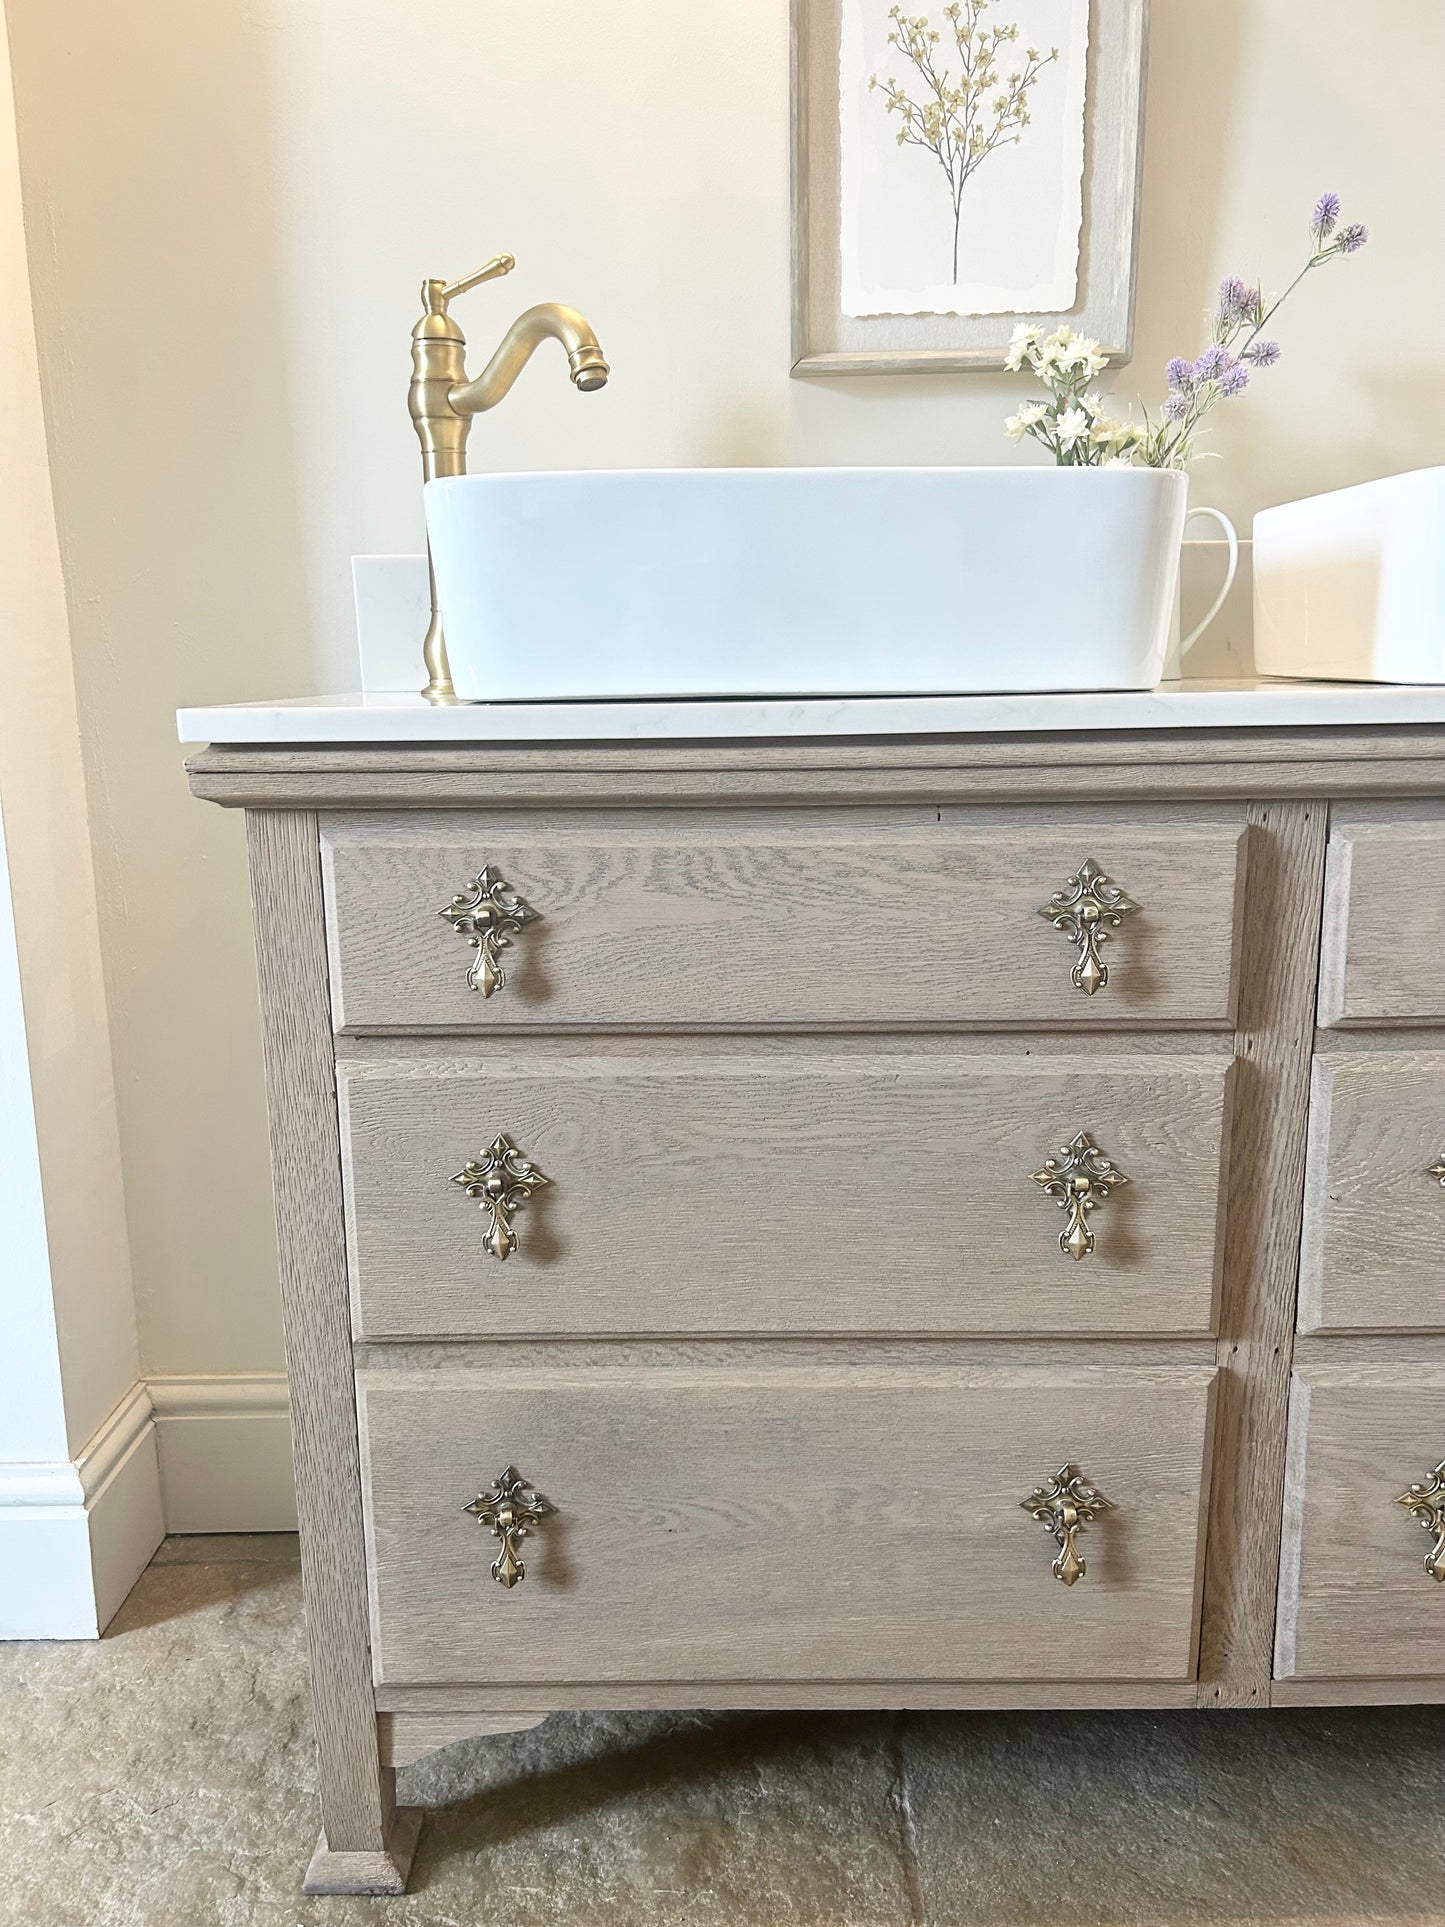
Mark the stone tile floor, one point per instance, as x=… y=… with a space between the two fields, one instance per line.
x=162 y=1778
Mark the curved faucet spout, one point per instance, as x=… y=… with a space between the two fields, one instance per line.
x=442 y=401
x=550 y=320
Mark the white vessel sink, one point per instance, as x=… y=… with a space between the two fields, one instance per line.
x=1351 y=585
x=805 y=582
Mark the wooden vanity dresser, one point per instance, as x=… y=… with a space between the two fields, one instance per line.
x=928 y=1222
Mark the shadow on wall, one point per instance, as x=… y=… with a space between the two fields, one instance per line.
x=149 y=203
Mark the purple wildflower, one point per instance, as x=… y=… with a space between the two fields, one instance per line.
x=1176 y=406
x=1327 y=212
x=1352 y=238
x=1262 y=354
x=1234 y=380
x=1180 y=372
x=1236 y=298
x=1212 y=363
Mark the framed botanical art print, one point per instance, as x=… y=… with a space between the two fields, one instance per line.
x=959 y=169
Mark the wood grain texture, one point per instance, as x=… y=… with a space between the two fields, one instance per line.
x=662 y=1695
x=1176 y=781
x=779 y=1194
x=1101 y=1047
x=368 y=1875
x=1394 y=1349
x=1091 y=766
x=1355 y=1600
x=1383 y=953
x=405 y=1737
x=614 y=1350
x=968 y=1361
x=783 y=1525
x=797 y=918
x=828 y=342
x=1359 y=1692
x=1374 y=1222
x=1280 y=949
x=1054 y=750
x=360 y=1821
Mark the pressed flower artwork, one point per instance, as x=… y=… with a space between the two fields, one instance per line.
x=958 y=167
x=962 y=150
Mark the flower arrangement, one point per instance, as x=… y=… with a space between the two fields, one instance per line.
x=1074 y=424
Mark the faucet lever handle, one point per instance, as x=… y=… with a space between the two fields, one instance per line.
x=499 y=265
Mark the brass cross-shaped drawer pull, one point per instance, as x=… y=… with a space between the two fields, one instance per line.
x=500 y=1181
x=1084 y=909
x=510 y=1510
x=488 y=913
x=1079 y=1178
x=1425 y=1502
x=1066 y=1505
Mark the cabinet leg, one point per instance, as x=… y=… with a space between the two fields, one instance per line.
x=366 y=1845
x=377 y=1872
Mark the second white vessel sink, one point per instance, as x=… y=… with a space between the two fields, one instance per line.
x=805 y=582
x=1352 y=584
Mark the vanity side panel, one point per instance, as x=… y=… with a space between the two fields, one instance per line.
x=357 y=1796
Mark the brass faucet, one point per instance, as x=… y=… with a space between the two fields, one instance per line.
x=442 y=401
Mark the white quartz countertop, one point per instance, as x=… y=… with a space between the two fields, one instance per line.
x=381 y=717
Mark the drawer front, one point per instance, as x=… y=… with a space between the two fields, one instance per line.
x=1374 y=1228
x=792 y=1191
x=1382 y=959
x=1356 y=1600
x=714 y=920
x=774 y=1524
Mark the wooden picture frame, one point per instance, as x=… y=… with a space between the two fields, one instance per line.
x=825 y=341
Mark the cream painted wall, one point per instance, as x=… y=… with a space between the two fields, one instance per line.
x=231 y=205
x=70 y=1353
x=80 y=1511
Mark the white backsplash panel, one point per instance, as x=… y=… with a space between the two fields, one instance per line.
x=393 y=607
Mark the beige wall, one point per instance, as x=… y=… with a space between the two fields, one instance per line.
x=231 y=205
x=68 y=1351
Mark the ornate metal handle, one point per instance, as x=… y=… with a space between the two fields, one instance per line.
x=501 y=1181
x=509 y=1511
x=1079 y=1179
x=1437 y=1171
x=488 y=913
x=1088 y=902
x=1066 y=1505
x=1425 y=1503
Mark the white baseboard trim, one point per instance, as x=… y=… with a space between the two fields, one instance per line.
x=75 y=1534
x=201 y=1452
x=224 y=1441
